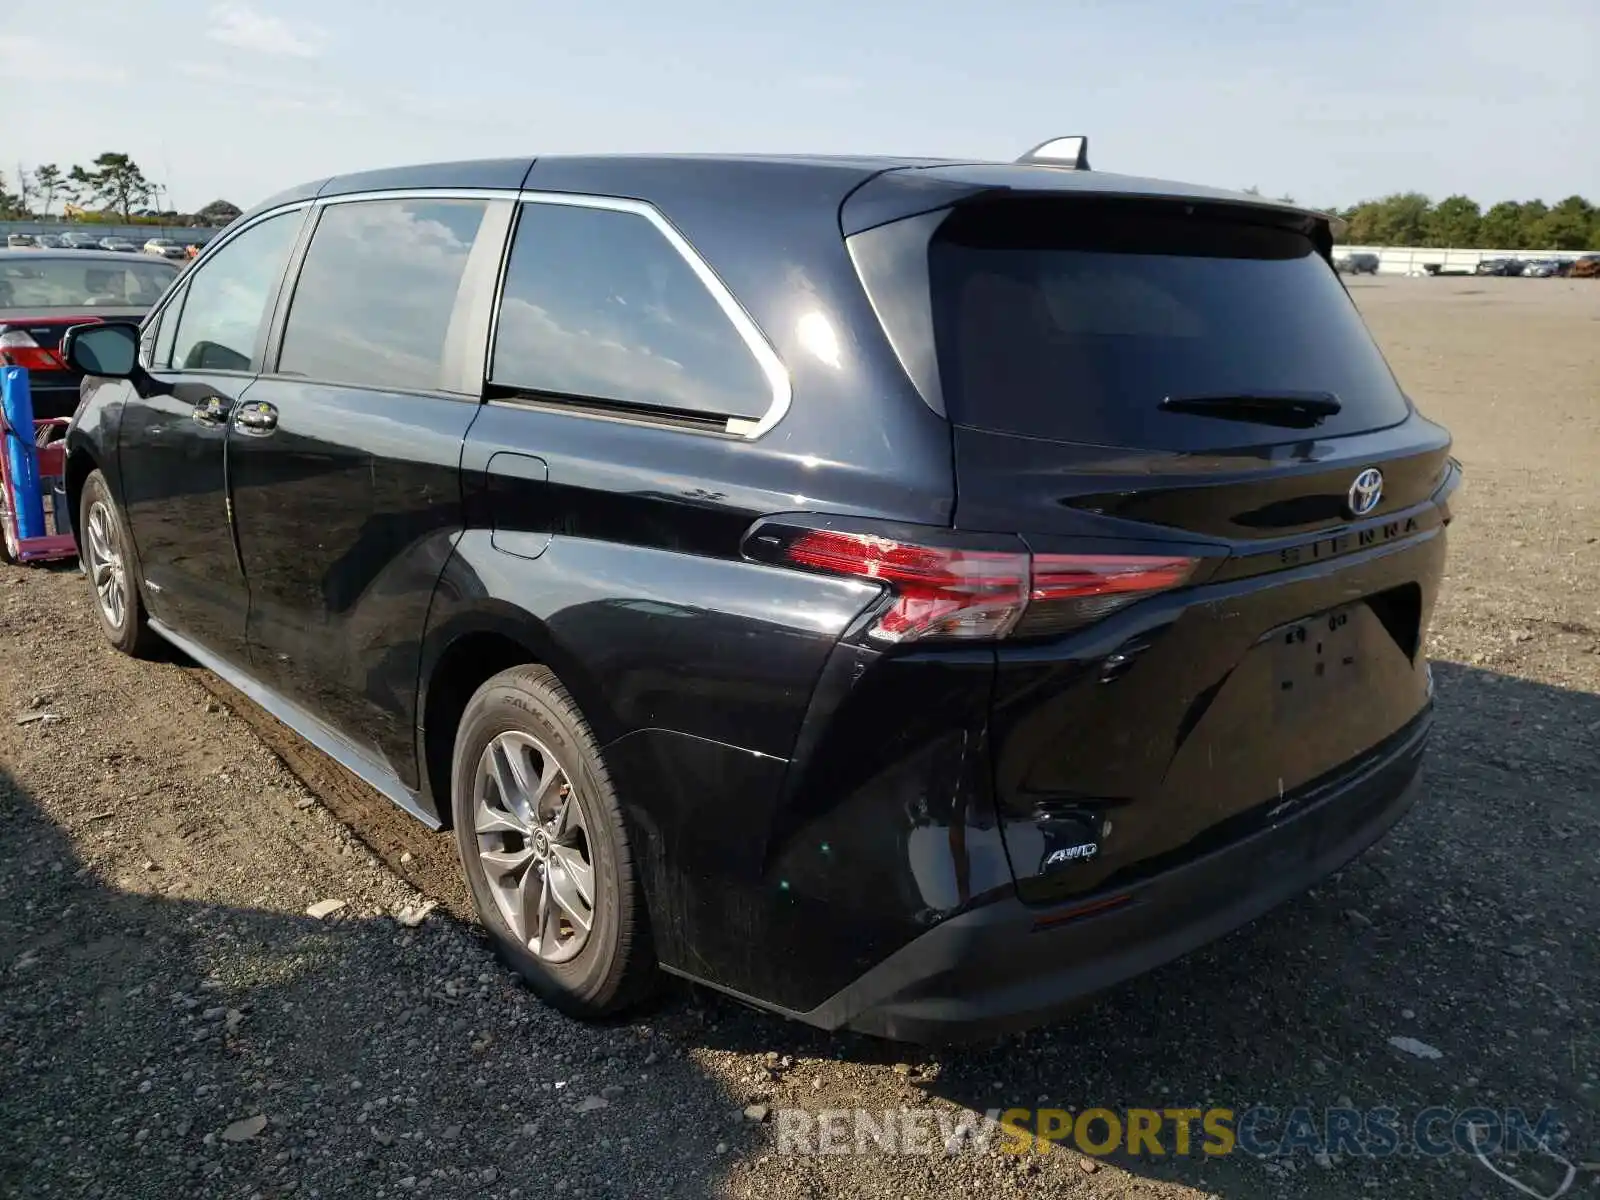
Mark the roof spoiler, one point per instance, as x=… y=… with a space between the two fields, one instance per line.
x=1070 y=152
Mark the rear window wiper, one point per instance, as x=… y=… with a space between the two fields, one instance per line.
x=1297 y=410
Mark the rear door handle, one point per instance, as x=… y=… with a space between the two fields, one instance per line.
x=213 y=410
x=256 y=418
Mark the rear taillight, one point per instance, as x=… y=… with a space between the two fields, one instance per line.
x=17 y=349
x=936 y=591
x=939 y=592
x=1071 y=590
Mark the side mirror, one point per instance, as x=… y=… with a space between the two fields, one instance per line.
x=110 y=350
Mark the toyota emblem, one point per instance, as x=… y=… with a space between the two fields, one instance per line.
x=1365 y=492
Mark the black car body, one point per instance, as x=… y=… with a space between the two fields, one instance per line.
x=1499 y=266
x=981 y=582
x=45 y=292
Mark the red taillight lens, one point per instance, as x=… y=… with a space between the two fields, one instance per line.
x=1059 y=576
x=944 y=593
x=938 y=592
x=1070 y=590
x=17 y=349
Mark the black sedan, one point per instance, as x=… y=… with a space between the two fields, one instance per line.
x=1500 y=266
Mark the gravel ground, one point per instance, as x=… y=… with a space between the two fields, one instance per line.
x=172 y=1023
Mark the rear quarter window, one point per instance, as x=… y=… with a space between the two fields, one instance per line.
x=600 y=306
x=1073 y=323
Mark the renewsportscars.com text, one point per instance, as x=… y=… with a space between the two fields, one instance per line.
x=1261 y=1131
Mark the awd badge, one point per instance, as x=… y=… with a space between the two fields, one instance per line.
x=1071 y=838
x=1068 y=854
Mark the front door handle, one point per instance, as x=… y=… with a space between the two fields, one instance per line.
x=256 y=418
x=213 y=410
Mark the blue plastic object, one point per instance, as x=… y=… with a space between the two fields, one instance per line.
x=21 y=455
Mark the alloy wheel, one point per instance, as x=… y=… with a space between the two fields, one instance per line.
x=106 y=570
x=533 y=843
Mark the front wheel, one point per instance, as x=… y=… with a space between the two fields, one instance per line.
x=105 y=554
x=544 y=846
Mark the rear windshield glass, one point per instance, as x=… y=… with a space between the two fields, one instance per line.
x=45 y=283
x=1073 y=323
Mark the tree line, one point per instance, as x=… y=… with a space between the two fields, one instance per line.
x=1412 y=219
x=120 y=188
x=112 y=188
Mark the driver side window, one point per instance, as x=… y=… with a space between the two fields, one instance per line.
x=226 y=305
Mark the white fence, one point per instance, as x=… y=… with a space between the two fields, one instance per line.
x=1408 y=260
x=134 y=233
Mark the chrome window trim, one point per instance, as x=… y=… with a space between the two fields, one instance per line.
x=777 y=375
x=749 y=332
x=478 y=288
x=217 y=244
x=438 y=193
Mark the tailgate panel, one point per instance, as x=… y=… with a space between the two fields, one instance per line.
x=1239 y=694
x=1262 y=494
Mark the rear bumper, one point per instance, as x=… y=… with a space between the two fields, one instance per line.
x=1009 y=965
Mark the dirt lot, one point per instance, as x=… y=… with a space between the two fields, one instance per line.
x=172 y=1024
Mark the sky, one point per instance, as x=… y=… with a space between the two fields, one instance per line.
x=1327 y=102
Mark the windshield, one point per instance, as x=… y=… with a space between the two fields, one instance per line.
x=44 y=283
x=1075 y=325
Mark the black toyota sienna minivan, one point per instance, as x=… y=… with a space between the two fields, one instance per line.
x=907 y=595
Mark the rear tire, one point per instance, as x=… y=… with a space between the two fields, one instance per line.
x=545 y=848
x=105 y=552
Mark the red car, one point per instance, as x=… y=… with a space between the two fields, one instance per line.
x=43 y=292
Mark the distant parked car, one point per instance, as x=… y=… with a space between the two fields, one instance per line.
x=44 y=293
x=1587 y=267
x=79 y=241
x=1500 y=266
x=20 y=241
x=164 y=248
x=1357 y=264
x=1546 y=268
x=48 y=241
x=119 y=245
